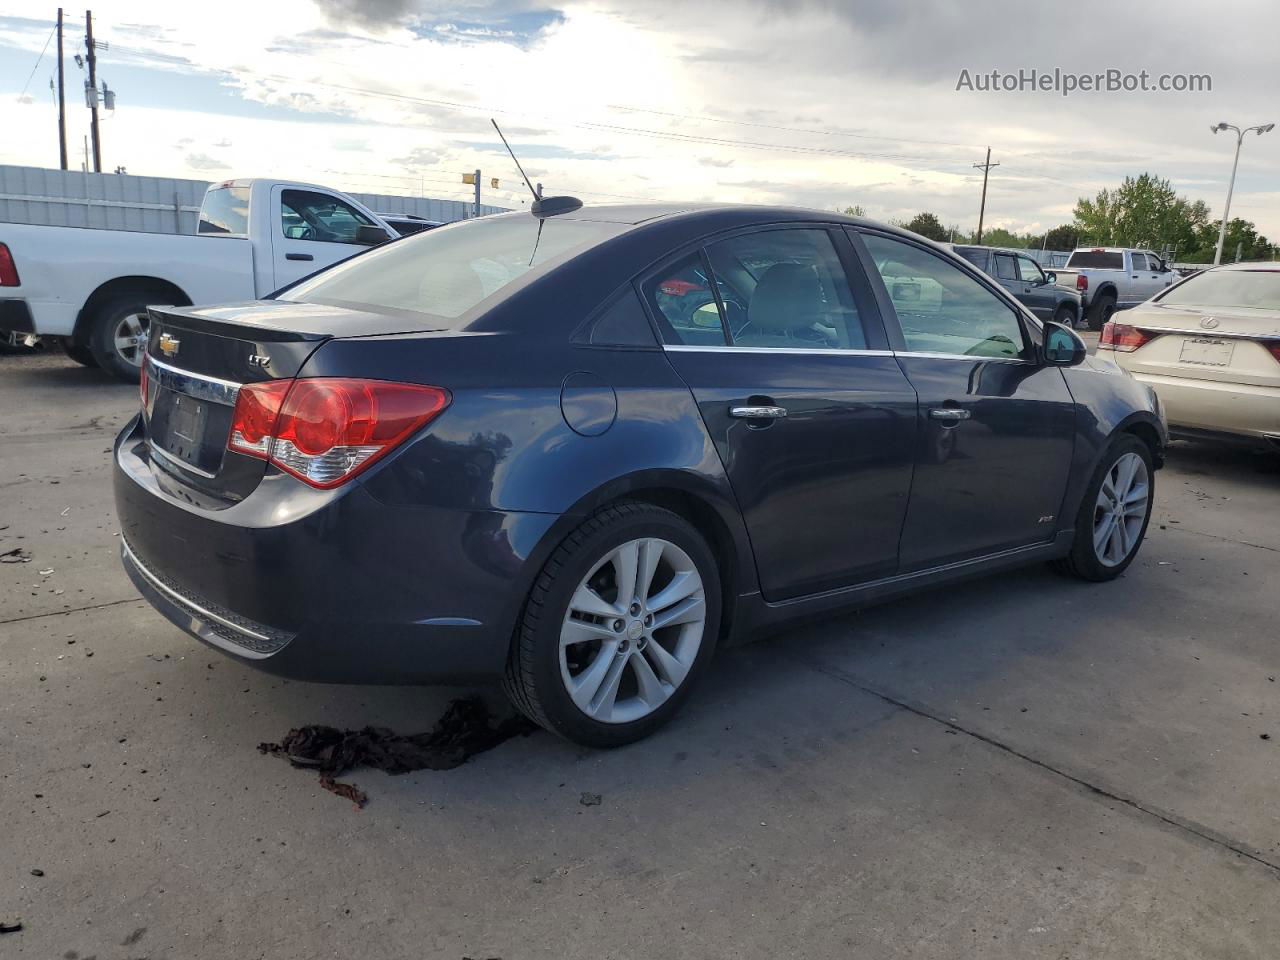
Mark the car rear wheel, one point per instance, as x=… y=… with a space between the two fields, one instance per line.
x=1114 y=513
x=119 y=336
x=620 y=622
x=1101 y=309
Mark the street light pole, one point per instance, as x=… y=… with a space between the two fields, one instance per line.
x=1231 y=184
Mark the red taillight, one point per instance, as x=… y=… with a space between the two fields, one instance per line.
x=8 y=272
x=1122 y=338
x=1082 y=282
x=326 y=430
x=1273 y=348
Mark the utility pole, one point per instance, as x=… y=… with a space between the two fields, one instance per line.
x=91 y=91
x=982 y=210
x=477 y=211
x=62 y=102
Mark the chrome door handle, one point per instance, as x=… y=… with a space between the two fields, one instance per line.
x=949 y=413
x=758 y=413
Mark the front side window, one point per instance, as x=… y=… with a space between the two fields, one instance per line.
x=1030 y=270
x=318 y=216
x=786 y=289
x=940 y=308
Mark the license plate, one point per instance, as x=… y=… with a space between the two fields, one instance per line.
x=186 y=420
x=1207 y=352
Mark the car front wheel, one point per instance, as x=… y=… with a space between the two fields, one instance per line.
x=1114 y=512
x=619 y=624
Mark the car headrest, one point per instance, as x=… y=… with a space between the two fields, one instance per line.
x=785 y=293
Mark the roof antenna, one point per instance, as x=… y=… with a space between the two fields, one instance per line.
x=540 y=208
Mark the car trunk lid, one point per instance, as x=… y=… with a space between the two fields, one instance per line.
x=1238 y=345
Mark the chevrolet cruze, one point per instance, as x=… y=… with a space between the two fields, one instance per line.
x=578 y=453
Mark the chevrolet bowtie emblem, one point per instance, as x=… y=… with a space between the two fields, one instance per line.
x=169 y=345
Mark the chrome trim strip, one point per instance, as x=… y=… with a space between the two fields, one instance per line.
x=1203 y=334
x=182 y=601
x=820 y=351
x=168 y=457
x=958 y=356
x=197 y=385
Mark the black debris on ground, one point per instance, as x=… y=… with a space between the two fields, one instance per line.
x=590 y=799
x=465 y=729
x=10 y=926
x=37 y=872
x=16 y=555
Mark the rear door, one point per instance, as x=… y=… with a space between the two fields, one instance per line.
x=310 y=231
x=778 y=337
x=996 y=429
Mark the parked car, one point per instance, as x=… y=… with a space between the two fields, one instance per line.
x=1210 y=346
x=514 y=448
x=92 y=287
x=1114 y=278
x=407 y=223
x=1027 y=281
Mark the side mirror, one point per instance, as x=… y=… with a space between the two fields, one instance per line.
x=1062 y=347
x=370 y=235
x=1050 y=276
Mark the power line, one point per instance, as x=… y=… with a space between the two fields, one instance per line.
x=43 y=50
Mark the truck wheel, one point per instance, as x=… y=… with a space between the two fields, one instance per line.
x=1100 y=311
x=1065 y=316
x=81 y=355
x=118 y=336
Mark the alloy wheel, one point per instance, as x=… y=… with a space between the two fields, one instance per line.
x=1120 y=510
x=632 y=631
x=130 y=337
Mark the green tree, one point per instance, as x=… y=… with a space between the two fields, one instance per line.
x=1242 y=235
x=1000 y=237
x=1142 y=211
x=1063 y=237
x=928 y=225
x=857 y=210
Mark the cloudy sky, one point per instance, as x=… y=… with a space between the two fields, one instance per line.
x=798 y=101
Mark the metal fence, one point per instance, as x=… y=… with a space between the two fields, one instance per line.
x=109 y=201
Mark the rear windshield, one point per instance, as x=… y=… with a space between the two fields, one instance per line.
x=1228 y=288
x=1096 y=260
x=447 y=271
x=225 y=210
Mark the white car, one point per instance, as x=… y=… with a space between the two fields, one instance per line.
x=92 y=287
x=1210 y=347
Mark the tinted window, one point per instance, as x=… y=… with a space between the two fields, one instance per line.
x=1259 y=289
x=1096 y=260
x=447 y=271
x=318 y=216
x=681 y=294
x=975 y=256
x=406 y=227
x=225 y=210
x=786 y=289
x=1139 y=262
x=940 y=308
x=1006 y=269
x=623 y=324
x=1030 y=270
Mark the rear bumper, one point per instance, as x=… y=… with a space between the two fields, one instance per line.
x=15 y=317
x=1210 y=406
x=346 y=589
x=50 y=318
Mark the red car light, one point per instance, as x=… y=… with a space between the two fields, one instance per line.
x=1273 y=348
x=1122 y=337
x=326 y=430
x=8 y=272
x=1082 y=282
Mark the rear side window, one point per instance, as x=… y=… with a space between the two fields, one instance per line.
x=447 y=271
x=1139 y=262
x=225 y=210
x=622 y=324
x=685 y=305
x=786 y=289
x=940 y=308
x=1096 y=260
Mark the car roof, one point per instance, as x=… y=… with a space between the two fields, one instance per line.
x=634 y=214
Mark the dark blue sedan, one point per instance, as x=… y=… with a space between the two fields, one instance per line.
x=580 y=452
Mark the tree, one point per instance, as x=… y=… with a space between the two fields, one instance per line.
x=1142 y=211
x=928 y=225
x=1242 y=235
x=1064 y=237
x=857 y=210
x=1000 y=237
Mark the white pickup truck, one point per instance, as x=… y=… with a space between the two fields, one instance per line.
x=92 y=287
x=1113 y=278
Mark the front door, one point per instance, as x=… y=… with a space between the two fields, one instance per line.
x=812 y=416
x=1038 y=294
x=996 y=429
x=315 y=230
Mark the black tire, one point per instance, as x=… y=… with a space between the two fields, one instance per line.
x=1100 y=311
x=81 y=355
x=1082 y=562
x=1065 y=315
x=533 y=679
x=102 y=332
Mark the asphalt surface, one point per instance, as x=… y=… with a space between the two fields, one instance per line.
x=1015 y=767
